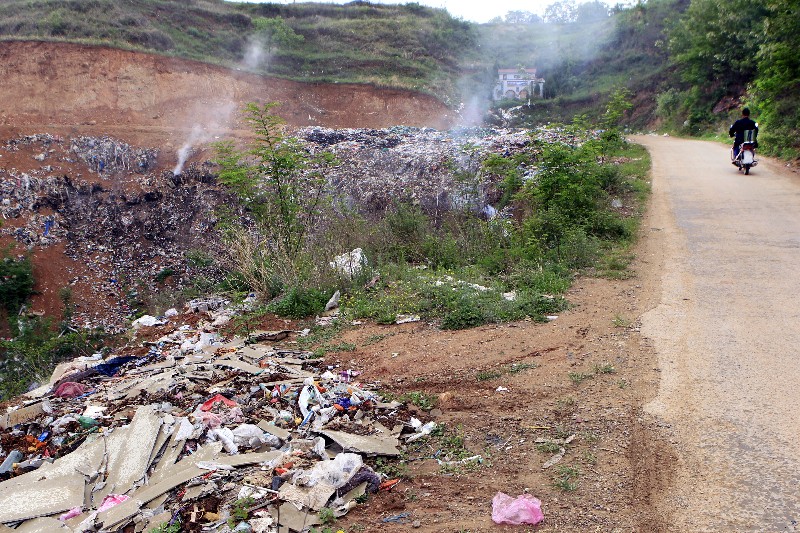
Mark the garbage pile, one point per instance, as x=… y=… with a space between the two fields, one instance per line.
x=438 y=170
x=191 y=427
x=105 y=154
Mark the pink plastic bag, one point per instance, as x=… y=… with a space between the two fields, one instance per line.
x=112 y=500
x=69 y=389
x=524 y=509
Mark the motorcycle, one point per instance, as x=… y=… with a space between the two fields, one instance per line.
x=746 y=158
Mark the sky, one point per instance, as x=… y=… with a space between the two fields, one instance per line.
x=472 y=10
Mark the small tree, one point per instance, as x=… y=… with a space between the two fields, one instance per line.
x=274 y=32
x=283 y=187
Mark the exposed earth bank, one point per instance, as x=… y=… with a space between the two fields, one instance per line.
x=154 y=100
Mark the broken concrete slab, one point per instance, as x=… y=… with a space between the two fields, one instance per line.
x=24 y=414
x=272 y=429
x=42 y=525
x=314 y=497
x=291 y=518
x=129 y=450
x=23 y=501
x=237 y=364
x=368 y=445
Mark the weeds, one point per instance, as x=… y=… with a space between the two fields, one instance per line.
x=579 y=377
x=374 y=339
x=567 y=478
x=548 y=447
x=240 y=511
x=620 y=322
x=326 y=515
x=604 y=368
x=423 y=400
x=487 y=375
x=166 y=527
x=516 y=368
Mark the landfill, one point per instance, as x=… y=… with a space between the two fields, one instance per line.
x=188 y=425
x=437 y=170
x=130 y=223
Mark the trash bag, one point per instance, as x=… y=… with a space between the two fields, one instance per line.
x=70 y=389
x=524 y=509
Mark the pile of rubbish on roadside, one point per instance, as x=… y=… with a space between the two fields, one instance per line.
x=437 y=170
x=188 y=426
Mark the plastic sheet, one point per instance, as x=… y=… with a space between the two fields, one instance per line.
x=524 y=509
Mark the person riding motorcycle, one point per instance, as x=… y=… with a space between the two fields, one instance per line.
x=738 y=129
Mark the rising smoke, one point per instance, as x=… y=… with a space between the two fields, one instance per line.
x=207 y=119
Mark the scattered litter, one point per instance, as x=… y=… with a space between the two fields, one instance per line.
x=405 y=319
x=159 y=432
x=524 y=509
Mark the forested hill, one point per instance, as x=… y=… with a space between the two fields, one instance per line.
x=729 y=53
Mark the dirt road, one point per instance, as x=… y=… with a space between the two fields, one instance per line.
x=727 y=335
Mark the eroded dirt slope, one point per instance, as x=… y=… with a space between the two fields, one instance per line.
x=151 y=99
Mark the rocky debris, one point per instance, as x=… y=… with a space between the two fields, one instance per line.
x=199 y=428
x=437 y=170
x=106 y=154
x=131 y=226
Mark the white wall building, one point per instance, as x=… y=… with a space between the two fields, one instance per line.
x=519 y=83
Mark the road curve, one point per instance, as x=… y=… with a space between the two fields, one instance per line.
x=727 y=332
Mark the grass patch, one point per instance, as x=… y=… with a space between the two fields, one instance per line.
x=487 y=375
x=566 y=478
x=579 y=377
x=604 y=368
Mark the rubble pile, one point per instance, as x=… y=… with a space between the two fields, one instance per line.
x=218 y=433
x=105 y=154
x=130 y=223
x=438 y=170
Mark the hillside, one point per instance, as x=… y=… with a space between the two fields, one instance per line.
x=150 y=99
x=403 y=46
x=409 y=46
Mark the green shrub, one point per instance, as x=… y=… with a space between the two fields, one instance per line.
x=16 y=282
x=300 y=303
x=462 y=315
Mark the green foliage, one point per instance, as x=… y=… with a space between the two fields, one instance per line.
x=776 y=89
x=16 y=282
x=166 y=527
x=421 y=399
x=567 y=478
x=486 y=375
x=31 y=356
x=284 y=190
x=300 y=303
x=240 y=510
x=163 y=274
x=326 y=515
x=273 y=32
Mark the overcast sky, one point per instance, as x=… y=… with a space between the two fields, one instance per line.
x=474 y=10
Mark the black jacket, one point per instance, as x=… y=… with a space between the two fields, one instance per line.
x=739 y=127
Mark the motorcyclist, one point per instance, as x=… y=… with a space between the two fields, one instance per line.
x=737 y=130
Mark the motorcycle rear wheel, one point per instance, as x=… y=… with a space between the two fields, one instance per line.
x=746 y=170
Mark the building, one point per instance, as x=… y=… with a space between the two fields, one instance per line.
x=518 y=83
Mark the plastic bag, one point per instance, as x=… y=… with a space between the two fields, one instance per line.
x=225 y=436
x=524 y=509
x=335 y=472
x=248 y=436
